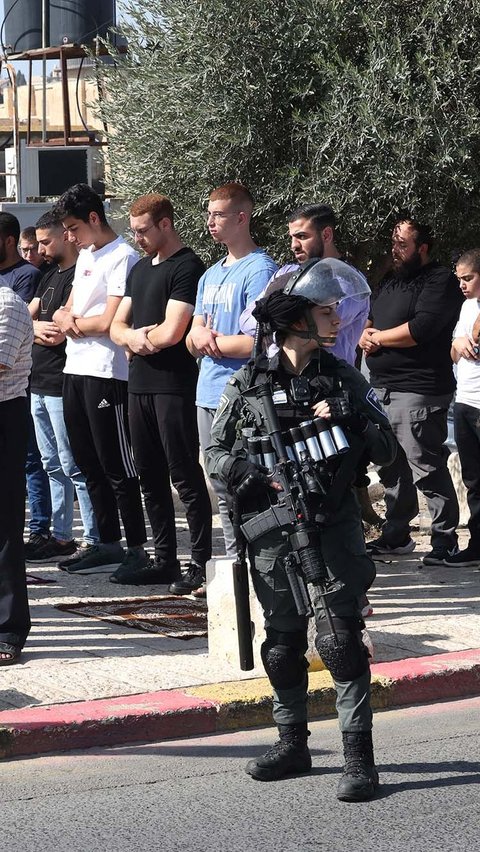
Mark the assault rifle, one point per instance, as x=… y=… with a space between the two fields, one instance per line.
x=297 y=469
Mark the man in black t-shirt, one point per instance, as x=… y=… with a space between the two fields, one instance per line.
x=48 y=361
x=152 y=322
x=407 y=343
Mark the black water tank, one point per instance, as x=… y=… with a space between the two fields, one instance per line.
x=71 y=21
x=79 y=21
x=22 y=25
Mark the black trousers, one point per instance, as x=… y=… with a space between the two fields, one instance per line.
x=467 y=438
x=165 y=445
x=14 y=612
x=95 y=412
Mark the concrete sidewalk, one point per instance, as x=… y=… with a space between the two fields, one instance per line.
x=84 y=682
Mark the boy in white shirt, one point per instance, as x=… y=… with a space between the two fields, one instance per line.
x=465 y=354
x=95 y=384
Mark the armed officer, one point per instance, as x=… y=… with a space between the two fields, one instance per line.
x=322 y=415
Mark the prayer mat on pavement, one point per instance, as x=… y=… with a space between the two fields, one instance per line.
x=33 y=580
x=169 y=615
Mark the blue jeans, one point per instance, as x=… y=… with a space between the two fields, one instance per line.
x=64 y=476
x=38 y=490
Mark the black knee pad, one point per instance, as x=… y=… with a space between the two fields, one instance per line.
x=285 y=665
x=346 y=658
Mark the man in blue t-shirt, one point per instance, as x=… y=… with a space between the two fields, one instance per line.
x=15 y=272
x=224 y=291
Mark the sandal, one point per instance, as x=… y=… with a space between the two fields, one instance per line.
x=12 y=650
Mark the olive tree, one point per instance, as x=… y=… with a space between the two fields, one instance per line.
x=369 y=106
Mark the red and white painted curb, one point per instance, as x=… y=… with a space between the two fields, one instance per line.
x=173 y=714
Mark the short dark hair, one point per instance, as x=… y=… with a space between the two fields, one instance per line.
x=322 y=215
x=79 y=201
x=28 y=234
x=158 y=206
x=470 y=258
x=9 y=226
x=49 y=220
x=423 y=233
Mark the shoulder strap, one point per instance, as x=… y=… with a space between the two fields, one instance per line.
x=258 y=375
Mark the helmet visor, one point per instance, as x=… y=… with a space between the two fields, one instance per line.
x=327 y=281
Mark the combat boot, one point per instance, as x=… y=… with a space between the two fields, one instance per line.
x=360 y=777
x=288 y=756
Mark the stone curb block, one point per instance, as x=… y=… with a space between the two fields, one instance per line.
x=84 y=724
x=172 y=714
x=422 y=679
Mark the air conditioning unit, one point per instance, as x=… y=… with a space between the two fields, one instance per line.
x=46 y=172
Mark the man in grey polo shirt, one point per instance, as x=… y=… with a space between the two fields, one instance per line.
x=16 y=339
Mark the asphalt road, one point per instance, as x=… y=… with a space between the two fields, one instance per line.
x=194 y=795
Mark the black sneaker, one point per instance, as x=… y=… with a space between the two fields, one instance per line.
x=35 y=540
x=438 y=555
x=49 y=550
x=192 y=579
x=463 y=558
x=95 y=559
x=381 y=545
x=82 y=549
x=138 y=570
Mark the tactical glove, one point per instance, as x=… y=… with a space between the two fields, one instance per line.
x=246 y=479
x=343 y=413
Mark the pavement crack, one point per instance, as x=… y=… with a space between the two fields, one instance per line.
x=115 y=785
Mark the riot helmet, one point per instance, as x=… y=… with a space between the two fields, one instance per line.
x=327 y=281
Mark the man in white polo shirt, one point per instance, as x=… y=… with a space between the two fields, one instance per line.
x=95 y=384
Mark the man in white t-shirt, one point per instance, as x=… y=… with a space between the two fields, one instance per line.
x=466 y=411
x=95 y=385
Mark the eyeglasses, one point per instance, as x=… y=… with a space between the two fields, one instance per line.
x=134 y=232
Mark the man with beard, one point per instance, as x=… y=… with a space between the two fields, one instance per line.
x=28 y=246
x=311 y=228
x=407 y=344
x=312 y=231
x=15 y=272
x=48 y=361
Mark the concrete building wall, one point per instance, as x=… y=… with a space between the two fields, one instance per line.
x=87 y=96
